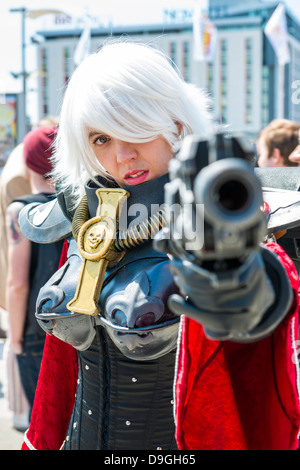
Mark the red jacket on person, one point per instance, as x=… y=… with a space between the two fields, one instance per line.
x=227 y=395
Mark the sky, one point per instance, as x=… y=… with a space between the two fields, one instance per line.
x=104 y=12
x=112 y=11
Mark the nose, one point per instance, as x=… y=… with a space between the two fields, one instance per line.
x=126 y=151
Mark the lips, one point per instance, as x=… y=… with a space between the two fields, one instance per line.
x=136 y=176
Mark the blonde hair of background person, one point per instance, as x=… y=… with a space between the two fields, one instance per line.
x=276 y=142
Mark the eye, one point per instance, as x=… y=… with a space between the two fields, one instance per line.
x=102 y=139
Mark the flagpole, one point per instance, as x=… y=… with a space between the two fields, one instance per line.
x=197 y=33
x=204 y=34
x=22 y=127
x=277 y=33
x=281 y=93
x=26 y=13
x=83 y=47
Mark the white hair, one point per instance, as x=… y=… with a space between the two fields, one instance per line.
x=128 y=91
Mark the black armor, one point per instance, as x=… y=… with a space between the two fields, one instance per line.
x=129 y=347
x=121 y=403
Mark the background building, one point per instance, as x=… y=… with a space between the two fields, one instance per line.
x=247 y=85
x=220 y=7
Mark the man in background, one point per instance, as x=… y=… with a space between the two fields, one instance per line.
x=276 y=142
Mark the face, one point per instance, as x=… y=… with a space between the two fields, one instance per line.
x=131 y=163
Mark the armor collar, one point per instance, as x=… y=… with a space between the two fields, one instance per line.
x=146 y=273
x=148 y=195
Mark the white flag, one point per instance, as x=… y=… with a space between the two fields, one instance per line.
x=83 y=46
x=276 y=32
x=204 y=36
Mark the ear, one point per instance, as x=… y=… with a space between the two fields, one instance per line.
x=179 y=127
x=277 y=158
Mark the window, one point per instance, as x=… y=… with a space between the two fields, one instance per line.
x=248 y=61
x=66 y=63
x=265 y=101
x=223 y=81
x=44 y=81
x=186 y=60
x=173 y=52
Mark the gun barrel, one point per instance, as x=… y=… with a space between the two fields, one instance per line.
x=230 y=193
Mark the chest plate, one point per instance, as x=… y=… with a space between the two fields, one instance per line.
x=120 y=403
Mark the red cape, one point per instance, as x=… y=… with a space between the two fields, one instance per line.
x=228 y=395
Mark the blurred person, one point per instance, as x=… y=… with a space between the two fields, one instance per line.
x=127 y=369
x=14 y=182
x=29 y=264
x=48 y=121
x=278 y=146
x=276 y=142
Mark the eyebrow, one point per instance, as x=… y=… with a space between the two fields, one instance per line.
x=93 y=133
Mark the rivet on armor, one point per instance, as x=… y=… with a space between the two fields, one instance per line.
x=134 y=379
x=172 y=402
x=67 y=438
x=87 y=367
x=75 y=425
x=90 y=412
x=128 y=423
x=78 y=381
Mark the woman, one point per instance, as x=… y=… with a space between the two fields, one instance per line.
x=124 y=113
x=29 y=265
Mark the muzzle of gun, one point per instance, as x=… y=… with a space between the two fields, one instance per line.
x=220 y=199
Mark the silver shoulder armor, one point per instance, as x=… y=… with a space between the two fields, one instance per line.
x=44 y=222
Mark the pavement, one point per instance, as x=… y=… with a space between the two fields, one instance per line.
x=10 y=438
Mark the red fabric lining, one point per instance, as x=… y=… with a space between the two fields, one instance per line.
x=55 y=393
x=247 y=395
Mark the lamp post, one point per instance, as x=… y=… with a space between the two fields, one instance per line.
x=22 y=127
x=33 y=14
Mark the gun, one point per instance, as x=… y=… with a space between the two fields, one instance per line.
x=219 y=197
x=223 y=273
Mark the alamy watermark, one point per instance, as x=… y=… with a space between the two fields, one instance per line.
x=184 y=222
x=296 y=94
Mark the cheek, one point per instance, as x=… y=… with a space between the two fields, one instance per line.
x=163 y=156
x=160 y=166
x=104 y=159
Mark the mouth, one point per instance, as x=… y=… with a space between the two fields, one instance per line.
x=136 y=176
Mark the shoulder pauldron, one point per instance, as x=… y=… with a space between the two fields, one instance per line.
x=44 y=222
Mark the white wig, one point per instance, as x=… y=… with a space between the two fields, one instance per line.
x=127 y=91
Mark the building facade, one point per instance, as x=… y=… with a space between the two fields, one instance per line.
x=247 y=86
